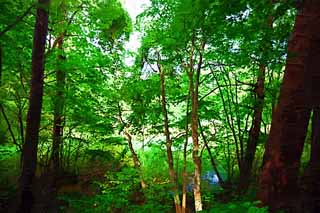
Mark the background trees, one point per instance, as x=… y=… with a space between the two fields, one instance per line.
x=179 y=124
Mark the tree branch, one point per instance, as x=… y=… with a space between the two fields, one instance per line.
x=18 y=19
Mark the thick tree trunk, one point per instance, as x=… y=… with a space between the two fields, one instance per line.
x=278 y=181
x=172 y=175
x=30 y=146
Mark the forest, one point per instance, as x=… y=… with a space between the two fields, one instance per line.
x=186 y=106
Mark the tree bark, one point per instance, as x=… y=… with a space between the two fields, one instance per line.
x=30 y=147
x=184 y=168
x=279 y=177
x=247 y=162
x=136 y=161
x=172 y=175
x=194 y=91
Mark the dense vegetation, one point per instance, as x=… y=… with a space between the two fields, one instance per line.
x=216 y=111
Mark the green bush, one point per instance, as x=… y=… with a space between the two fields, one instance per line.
x=239 y=207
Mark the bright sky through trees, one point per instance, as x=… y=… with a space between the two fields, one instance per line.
x=134 y=8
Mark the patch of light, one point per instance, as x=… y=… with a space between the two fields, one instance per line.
x=134 y=8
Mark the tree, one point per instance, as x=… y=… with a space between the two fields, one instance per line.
x=35 y=104
x=279 y=177
x=59 y=102
x=172 y=174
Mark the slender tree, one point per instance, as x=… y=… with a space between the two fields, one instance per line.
x=194 y=81
x=184 y=168
x=172 y=174
x=30 y=147
x=58 y=115
x=59 y=102
x=135 y=159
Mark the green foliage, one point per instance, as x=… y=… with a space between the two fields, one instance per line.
x=103 y=97
x=7 y=152
x=241 y=207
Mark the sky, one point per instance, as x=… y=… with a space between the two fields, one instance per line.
x=134 y=8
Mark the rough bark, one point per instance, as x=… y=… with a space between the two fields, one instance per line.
x=172 y=175
x=30 y=147
x=279 y=177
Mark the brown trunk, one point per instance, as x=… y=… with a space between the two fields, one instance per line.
x=194 y=91
x=58 y=120
x=310 y=180
x=184 y=168
x=278 y=181
x=30 y=147
x=172 y=175
x=247 y=162
x=136 y=161
x=135 y=158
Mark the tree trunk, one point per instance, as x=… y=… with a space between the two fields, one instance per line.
x=278 y=181
x=246 y=167
x=136 y=161
x=194 y=91
x=172 y=175
x=59 y=102
x=247 y=162
x=212 y=161
x=30 y=147
x=135 y=158
x=195 y=153
x=184 y=168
